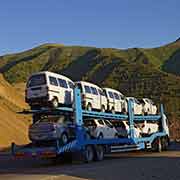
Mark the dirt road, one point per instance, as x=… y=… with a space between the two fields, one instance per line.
x=125 y=166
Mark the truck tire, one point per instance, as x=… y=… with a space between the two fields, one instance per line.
x=99 y=153
x=164 y=143
x=88 y=154
x=156 y=145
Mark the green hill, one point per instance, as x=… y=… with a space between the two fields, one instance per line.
x=135 y=72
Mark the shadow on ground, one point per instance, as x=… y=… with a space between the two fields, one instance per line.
x=135 y=165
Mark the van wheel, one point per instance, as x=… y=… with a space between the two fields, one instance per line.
x=89 y=107
x=113 y=111
x=55 y=103
x=103 y=109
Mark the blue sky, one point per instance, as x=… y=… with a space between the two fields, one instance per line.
x=102 y=23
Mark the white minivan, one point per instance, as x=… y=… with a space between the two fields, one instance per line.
x=47 y=88
x=149 y=106
x=93 y=96
x=116 y=100
x=137 y=106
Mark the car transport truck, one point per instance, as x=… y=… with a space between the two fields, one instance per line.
x=95 y=148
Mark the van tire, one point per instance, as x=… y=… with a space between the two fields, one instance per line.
x=55 y=102
x=113 y=110
x=103 y=109
x=89 y=107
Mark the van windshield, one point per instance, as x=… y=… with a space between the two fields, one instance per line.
x=37 y=80
x=55 y=119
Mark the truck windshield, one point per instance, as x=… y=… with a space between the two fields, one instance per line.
x=37 y=80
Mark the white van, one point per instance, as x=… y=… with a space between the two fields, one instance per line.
x=149 y=106
x=47 y=88
x=93 y=96
x=137 y=106
x=116 y=100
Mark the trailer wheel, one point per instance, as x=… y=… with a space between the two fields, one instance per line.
x=165 y=143
x=156 y=145
x=99 y=153
x=88 y=154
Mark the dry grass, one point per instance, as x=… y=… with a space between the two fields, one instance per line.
x=13 y=126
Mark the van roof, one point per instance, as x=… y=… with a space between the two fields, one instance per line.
x=87 y=83
x=113 y=90
x=52 y=74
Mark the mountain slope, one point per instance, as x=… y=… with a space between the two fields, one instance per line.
x=13 y=126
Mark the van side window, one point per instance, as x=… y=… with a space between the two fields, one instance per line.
x=94 y=91
x=101 y=92
x=87 y=89
x=110 y=94
x=71 y=85
x=53 y=81
x=116 y=96
x=63 y=83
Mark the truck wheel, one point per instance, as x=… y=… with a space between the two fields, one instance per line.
x=164 y=142
x=64 y=138
x=55 y=103
x=88 y=154
x=99 y=153
x=156 y=145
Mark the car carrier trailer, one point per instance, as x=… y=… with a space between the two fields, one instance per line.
x=94 y=149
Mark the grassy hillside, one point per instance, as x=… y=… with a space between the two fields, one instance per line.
x=135 y=72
